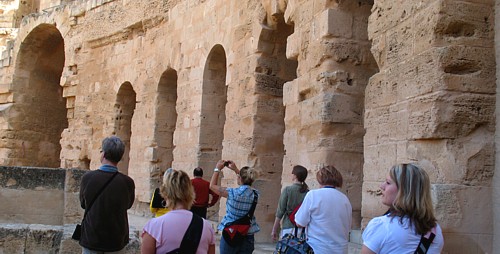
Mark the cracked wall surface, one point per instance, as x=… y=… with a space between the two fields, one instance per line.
x=361 y=85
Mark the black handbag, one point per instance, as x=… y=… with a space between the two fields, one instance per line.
x=157 y=201
x=77 y=234
x=235 y=232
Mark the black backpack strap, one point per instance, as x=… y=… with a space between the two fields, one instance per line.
x=192 y=237
x=87 y=208
x=425 y=243
x=254 y=204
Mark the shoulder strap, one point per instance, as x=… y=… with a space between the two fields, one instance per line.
x=192 y=237
x=98 y=193
x=254 y=204
x=425 y=242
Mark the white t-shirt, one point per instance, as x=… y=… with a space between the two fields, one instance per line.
x=327 y=215
x=168 y=231
x=386 y=235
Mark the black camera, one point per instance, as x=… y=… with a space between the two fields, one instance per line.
x=226 y=163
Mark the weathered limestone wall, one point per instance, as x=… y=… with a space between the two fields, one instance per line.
x=122 y=60
x=324 y=105
x=268 y=84
x=433 y=102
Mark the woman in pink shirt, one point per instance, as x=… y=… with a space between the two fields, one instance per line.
x=165 y=233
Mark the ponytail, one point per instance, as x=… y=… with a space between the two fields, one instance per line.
x=301 y=173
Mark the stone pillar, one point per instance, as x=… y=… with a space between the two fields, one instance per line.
x=433 y=103
x=324 y=105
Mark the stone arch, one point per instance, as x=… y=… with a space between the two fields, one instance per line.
x=38 y=114
x=213 y=108
x=166 y=118
x=124 y=111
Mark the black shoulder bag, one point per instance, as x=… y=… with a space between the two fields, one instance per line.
x=77 y=234
x=235 y=232
x=191 y=238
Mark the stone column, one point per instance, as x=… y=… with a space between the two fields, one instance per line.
x=324 y=105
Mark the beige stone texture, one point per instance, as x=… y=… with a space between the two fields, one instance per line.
x=361 y=85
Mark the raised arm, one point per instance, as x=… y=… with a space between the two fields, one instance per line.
x=219 y=190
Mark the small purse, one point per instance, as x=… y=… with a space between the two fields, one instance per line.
x=77 y=234
x=234 y=232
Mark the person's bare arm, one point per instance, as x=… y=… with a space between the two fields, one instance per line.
x=219 y=190
x=211 y=249
x=276 y=229
x=365 y=250
x=148 y=245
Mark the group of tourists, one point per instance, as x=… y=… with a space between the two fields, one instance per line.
x=323 y=214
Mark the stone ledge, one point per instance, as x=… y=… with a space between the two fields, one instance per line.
x=37 y=238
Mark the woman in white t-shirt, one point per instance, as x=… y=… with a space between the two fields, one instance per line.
x=326 y=213
x=407 y=193
x=165 y=233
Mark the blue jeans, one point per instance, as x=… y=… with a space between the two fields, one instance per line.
x=246 y=248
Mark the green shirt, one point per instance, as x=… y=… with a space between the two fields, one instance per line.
x=289 y=199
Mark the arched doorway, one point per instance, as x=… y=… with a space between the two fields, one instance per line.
x=213 y=108
x=38 y=114
x=166 y=118
x=124 y=111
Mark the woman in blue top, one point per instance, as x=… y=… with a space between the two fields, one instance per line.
x=238 y=204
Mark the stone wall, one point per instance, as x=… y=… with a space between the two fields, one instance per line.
x=40 y=207
x=46 y=196
x=358 y=84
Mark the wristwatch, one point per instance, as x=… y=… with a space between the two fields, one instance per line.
x=216 y=170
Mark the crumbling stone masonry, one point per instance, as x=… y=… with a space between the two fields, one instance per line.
x=360 y=84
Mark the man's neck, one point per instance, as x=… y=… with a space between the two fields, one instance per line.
x=108 y=167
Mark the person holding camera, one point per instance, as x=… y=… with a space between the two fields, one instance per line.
x=238 y=204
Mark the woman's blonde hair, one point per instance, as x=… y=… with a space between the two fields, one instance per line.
x=177 y=188
x=248 y=175
x=413 y=199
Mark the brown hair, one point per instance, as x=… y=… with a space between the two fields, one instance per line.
x=301 y=173
x=329 y=176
